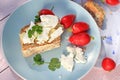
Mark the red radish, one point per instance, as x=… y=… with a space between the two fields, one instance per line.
x=108 y=64
x=45 y=12
x=80 y=27
x=67 y=20
x=80 y=39
x=111 y=2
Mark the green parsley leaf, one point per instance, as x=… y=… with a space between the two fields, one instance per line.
x=30 y=33
x=34 y=29
x=51 y=67
x=54 y=64
x=37 y=18
x=38 y=59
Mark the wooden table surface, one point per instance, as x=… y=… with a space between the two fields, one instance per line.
x=6 y=8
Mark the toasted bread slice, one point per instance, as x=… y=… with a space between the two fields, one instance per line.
x=34 y=48
x=96 y=11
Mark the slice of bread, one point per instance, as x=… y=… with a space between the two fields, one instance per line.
x=34 y=48
x=96 y=11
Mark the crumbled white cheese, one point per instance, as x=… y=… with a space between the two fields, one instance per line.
x=75 y=54
x=31 y=25
x=70 y=49
x=78 y=53
x=25 y=38
x=49 y=21
x=56 y=34
x=44 y=36
x=67 y=62
x=80 y=58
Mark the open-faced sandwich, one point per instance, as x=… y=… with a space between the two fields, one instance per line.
x=45 y=34
x=41 y=36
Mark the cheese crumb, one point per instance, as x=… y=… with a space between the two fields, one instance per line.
x=67 y=62
x=25 y=37
x=76 y=55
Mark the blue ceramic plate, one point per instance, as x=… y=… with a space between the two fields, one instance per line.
x=24 y=66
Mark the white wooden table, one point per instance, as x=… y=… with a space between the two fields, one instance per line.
x=8 y=6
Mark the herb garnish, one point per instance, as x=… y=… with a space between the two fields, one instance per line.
x=38 y=29
x=38 y=59
x=52 y=65
x=37 y=18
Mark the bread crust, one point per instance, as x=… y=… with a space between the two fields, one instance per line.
x=96 y=11
x=34 y=48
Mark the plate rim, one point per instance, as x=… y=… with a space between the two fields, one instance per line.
x=26 y=2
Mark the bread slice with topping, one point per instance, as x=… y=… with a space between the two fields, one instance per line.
x=96 y=11
x=50 y=37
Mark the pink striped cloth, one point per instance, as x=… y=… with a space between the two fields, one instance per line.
x=100 y=74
